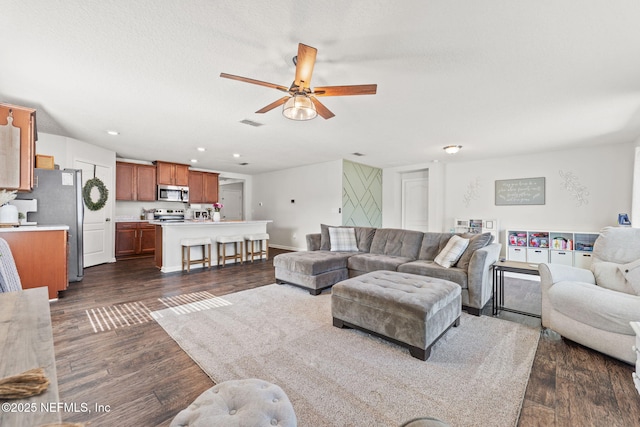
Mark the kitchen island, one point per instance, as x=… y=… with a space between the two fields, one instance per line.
x=168 y=254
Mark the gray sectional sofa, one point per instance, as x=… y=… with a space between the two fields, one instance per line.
x=391 y=249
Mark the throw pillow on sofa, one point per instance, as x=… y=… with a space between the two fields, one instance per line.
x=343 y=239
x=452 y=251
x=476 y=241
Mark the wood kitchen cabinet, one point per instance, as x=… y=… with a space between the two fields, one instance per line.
x=135 y=239
x=41 y=257
x=17 y=159
x=172 y=174
x=203 y=187
x=135 y=182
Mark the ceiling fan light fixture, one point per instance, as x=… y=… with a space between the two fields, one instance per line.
x=452 y=149
x=299 y=107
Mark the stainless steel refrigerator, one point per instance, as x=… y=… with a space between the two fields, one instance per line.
x=59 y=196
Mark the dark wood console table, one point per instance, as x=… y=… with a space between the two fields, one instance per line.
x=26 y=341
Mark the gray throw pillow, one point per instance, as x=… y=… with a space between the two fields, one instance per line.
x=476 y=241
x=325 y=240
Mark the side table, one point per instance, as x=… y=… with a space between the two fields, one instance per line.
x=499 y=269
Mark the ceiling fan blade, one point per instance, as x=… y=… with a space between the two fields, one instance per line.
x=321 y=109
x=255 y=82
x=345 y=90
x=273 y=105
x=304 y=65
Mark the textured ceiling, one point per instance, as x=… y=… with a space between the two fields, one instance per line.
x=499 y=77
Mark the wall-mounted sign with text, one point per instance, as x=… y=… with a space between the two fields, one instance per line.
x=524 y=191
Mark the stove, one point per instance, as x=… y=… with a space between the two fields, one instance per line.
x=169 y=215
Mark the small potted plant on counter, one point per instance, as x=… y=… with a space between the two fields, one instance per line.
x=216 y=207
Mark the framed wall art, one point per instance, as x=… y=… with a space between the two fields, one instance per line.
x=522 y=191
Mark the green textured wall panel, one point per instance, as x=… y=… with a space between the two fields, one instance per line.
x=361 y=195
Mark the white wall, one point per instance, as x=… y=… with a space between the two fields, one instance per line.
x=605 y=172
x=317 y=191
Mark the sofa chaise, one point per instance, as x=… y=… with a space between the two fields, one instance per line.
x=407 y=251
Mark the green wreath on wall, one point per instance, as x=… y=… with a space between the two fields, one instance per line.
x=86 y=194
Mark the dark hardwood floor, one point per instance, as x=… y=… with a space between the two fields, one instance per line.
x=135 y=375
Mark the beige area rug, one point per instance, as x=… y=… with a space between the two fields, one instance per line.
x=476 y=375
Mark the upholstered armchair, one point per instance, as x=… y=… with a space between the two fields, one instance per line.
x=594 y=307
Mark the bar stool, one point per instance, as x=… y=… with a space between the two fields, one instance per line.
x=262 y=240
x=197 y=241
x=222 y=249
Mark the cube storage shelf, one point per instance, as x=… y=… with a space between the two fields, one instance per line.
x=556 y=247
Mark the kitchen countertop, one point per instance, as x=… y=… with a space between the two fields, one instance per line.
x=34 y=228
x=188 y=222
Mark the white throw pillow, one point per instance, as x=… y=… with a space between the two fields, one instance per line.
x=452 y=251
x=343 y=239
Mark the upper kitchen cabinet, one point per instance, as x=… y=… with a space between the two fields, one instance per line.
x=17 y=147
x=135 y=182
x=172 y=174
x=203 y=187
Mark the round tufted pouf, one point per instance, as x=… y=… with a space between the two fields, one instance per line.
x=249 y=402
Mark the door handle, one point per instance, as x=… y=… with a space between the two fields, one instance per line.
x=107 y=219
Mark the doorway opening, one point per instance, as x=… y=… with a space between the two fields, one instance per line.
x=232 y=198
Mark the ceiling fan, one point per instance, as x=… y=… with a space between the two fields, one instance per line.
x=301 y=103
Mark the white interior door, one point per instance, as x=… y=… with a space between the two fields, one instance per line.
x=231 y=199
x=98 y=232
x=415 y=204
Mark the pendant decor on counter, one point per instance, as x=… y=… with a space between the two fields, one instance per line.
x=216 y=217
x=95 y=182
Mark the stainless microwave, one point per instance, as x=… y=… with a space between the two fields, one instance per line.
x=173 y=193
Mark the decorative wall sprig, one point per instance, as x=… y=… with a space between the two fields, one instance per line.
x=472 y=192
x=573 y=186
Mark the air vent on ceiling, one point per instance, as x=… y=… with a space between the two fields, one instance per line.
x=251 y=123
x=243 y=164
x=357 y=154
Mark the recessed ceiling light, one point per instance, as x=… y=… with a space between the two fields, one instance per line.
x=113 y=132
x=194 y=160
x=236 y=155
x=201 y=149
x=452 y=149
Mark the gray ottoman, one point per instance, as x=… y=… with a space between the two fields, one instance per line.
x=407 y=309
x=250 y=402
